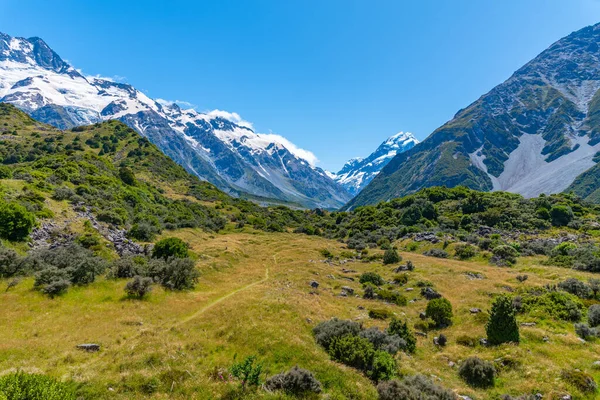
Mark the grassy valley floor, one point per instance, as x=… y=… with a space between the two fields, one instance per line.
x=254 y=298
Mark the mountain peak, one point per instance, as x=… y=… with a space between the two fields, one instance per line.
x=358 y=172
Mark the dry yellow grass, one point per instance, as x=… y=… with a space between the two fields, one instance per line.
x=254 y=298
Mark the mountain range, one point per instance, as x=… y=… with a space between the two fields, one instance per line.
x=538 y=132
x=216 y=146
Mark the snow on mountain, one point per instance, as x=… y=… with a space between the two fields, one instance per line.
x=218 y=146
x=358 y=172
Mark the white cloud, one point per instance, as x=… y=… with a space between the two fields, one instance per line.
x=181 y=103
x=233 y=117
x=295 y=150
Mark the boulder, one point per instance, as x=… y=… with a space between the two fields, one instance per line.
x=91 y=347
x=314 y=284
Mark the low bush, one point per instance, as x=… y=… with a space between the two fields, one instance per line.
x=170 y=247
x=22 y=386
x=139 y=286
x=391 y=256
x=383 y=340
x=401 y=329
x=438 y=253
x=464 y=251
x=9 y=265
x=559 y=305
x=477 y=372
x=248 y=372
x=325 y=332
x=585 y=332
x=174 y=273
x=128 y=267
x=143 y=231
x=582 y=381
x=383 y=367
x=440 y=311
x=466 y=341
x=371 y=277
x=594 y=315
x=416 y=387
x=354 y=351
x=16 y=222
x=63 y=193
x=379 y=313
x=296 y=381
x=576 y=287
x=504 y=255
x=391 y=296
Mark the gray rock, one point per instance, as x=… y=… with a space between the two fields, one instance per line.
x=91 y=347
x=314 y=284
x=529 y=324
x=483 y=342
x=348 y=290
x=475 y=310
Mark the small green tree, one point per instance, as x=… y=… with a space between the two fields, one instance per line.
x=170 y=247
x=354 y=351
x=383 y=367
x=127 y=176
x=400 y=328
x=391 y=256
x=440 y=311
x=247 y=372
x=16 y=222
x=561 y=215
x=502 y=326
x=371 y=277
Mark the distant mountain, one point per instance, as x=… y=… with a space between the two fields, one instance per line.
x=538 y=132
x=358 y=172
x=216 y=146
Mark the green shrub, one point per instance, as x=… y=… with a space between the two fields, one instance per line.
x=383 y=367
x=581 y=380
x=594 y=315
x=391 y=256
x=9 y=265
x=561 y=215
x=22 y=386
x=127 y=176
x=354 y=351
x=170 y=247
x=465 y=251
x=502 y=326
x=139 y=286
x=326 y=332
x=440 y=311
x=437 y=253
x=392 y=296
x=16 y=222
x=401 y=328
x=504 y=255
x=576 y=287
x=296 y=382
x=416 y=387
x=371 y=277
x=247 y=372
x=128 y=267
x=379 y=313
x=383 y=340
x=174 y=273
x=143 y=231
x=559 y=305
x=63 y=193
x=466 y=341
x=477 y=372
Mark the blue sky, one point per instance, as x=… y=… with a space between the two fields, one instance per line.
x=336 y=77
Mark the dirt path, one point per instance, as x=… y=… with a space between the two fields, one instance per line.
x=221 y=299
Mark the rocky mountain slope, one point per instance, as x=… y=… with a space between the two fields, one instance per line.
x=538 y=132
x=358 y=172
x=213 y=146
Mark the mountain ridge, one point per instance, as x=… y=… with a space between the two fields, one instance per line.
x=37 y=80
x=535 y=133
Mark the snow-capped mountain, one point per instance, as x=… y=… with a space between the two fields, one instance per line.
x=538 y=132
x=358 y=172
x=216 y=146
